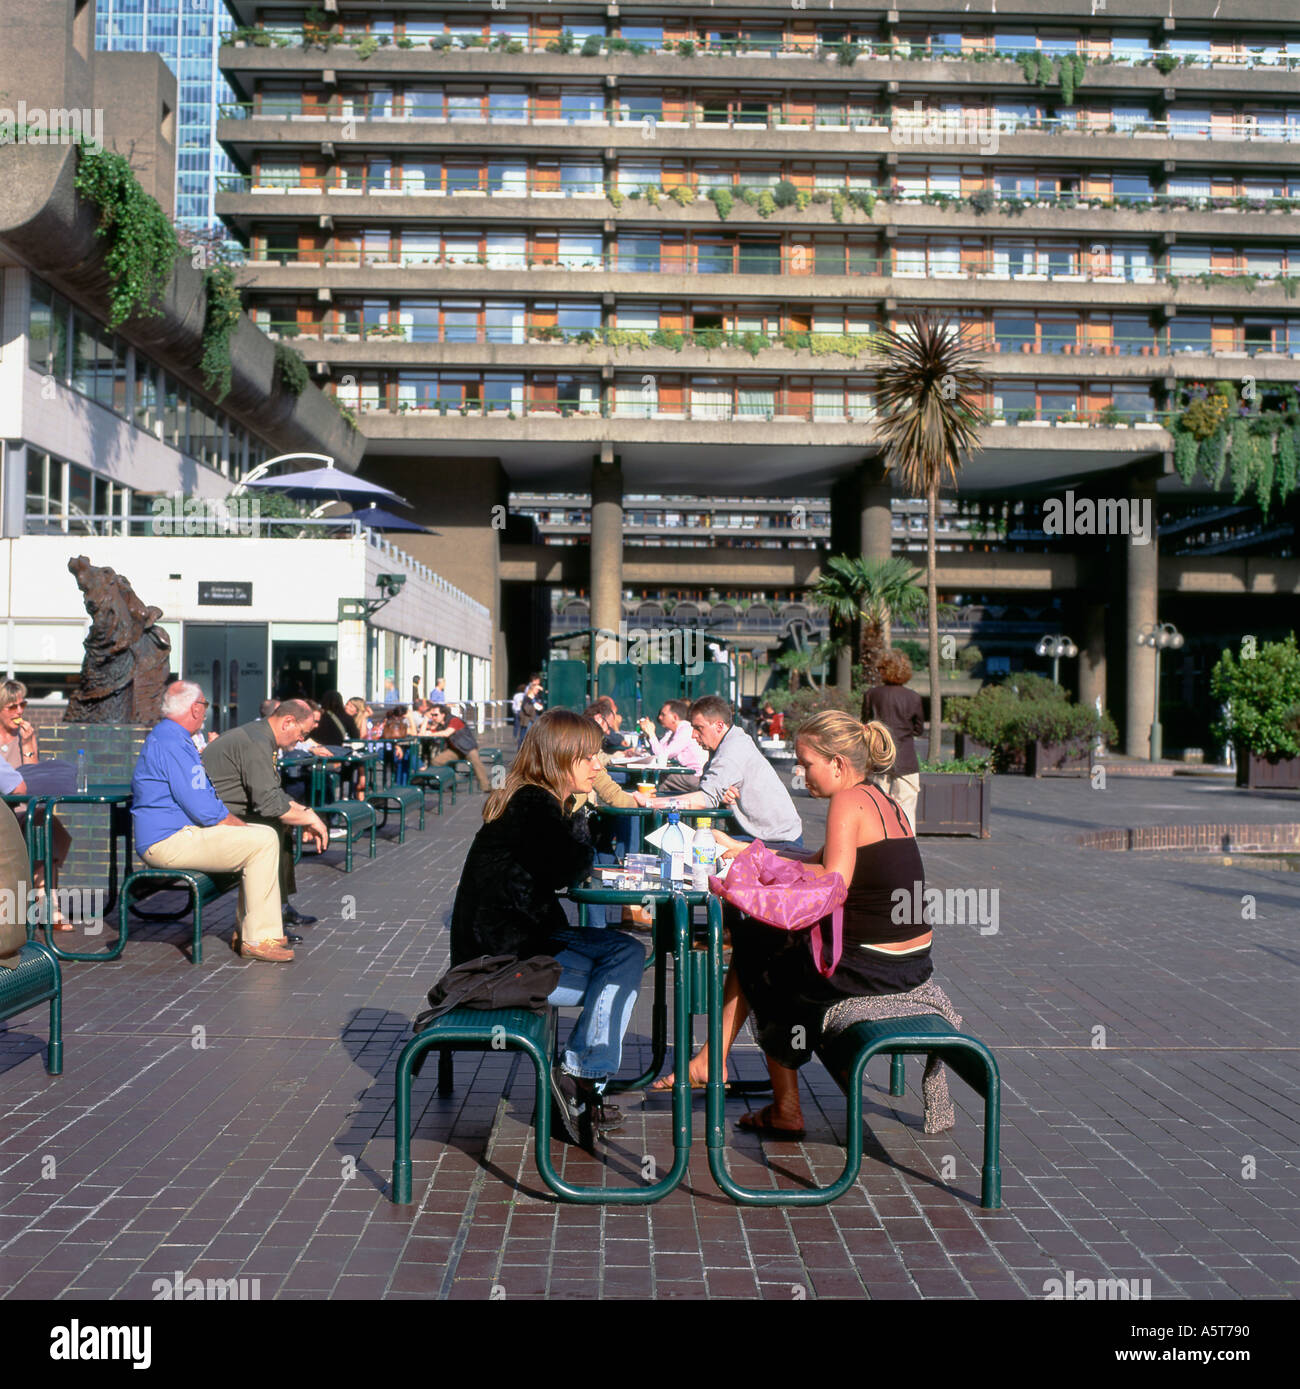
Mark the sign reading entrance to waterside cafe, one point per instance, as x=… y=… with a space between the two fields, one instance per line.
x=226 y=592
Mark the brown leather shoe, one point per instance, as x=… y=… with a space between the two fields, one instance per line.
x=266 y=950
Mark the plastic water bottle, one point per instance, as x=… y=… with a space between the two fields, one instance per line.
x=704 y=855
x=83 y=771
x=673 y=850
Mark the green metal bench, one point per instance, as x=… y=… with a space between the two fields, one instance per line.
x=846 y=1056
x=436 y=779
x=401 y=799
x=36 y=979
x=200 y=888
x=358 y=818
x=469 y=1029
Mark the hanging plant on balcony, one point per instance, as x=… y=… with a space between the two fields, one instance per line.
x=142 y=245
x=219 y=320
x=1069 y=74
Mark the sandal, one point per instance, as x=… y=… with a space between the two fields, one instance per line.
x=760 y=1124
x=666 y=1083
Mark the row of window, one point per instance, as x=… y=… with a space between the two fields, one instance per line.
x=518 y=175
x=800 y=106
x=759 y=253
x=67 y=345
x=65 y=497
x=706 y=397
x=704 y=520
x=463 y=320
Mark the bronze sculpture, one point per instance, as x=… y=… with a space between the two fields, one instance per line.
x=128 y=655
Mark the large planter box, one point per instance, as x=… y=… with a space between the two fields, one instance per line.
x=1268 y=773
x=954 y=803
x=1061 y=759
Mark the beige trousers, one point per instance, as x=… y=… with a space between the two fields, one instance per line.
x=252 y=851
x=905 y=790
x=474 y=760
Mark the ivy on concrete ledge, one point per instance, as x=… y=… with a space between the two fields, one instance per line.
x=142 y=245
x=219 y=320
x=291 y=372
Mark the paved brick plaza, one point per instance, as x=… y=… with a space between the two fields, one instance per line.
x=265 y=1153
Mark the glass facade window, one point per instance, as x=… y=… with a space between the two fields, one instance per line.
x=186 y=34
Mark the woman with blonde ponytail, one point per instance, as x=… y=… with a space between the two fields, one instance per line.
x=531 y=847
x=885 y=969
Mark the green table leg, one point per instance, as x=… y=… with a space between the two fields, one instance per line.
x=636 y=1196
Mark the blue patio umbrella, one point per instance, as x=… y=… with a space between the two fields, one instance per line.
x=321 y=485
x=377 y=518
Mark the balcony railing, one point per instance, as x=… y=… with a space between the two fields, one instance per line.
x=543 y=184
x=908 y=127
x=791 y=260
x=854 y=346
x=794 y=45
x=778 y=408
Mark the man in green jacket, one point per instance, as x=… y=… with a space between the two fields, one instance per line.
x=242 y=766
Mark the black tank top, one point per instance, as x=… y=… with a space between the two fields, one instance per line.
x=874 y=912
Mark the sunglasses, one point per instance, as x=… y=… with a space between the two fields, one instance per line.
x=18 y=704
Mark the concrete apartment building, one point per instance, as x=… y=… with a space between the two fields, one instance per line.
x=104 y=430
x=622 y=250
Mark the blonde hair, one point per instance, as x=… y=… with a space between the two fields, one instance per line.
x=557 y=740
x=867 y=747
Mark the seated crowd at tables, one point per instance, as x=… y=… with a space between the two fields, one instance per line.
x=539 y=836
x=220 y=806
x=223 y=805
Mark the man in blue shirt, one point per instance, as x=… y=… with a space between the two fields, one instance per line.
x=181 y=822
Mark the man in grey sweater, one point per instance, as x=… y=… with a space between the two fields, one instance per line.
x=762 y=806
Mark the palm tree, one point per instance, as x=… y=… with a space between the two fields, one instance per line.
x=869 y=594
x=926 y=421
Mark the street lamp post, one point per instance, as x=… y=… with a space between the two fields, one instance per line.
x=1056 y=647
x=1159 y=636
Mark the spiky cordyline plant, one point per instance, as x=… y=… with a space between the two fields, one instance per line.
x=927 y=422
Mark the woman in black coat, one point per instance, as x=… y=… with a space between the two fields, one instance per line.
x=531 y=847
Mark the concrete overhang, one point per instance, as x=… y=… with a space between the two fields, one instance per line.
x=260 y=132
x=47 y=226
x=717 y=458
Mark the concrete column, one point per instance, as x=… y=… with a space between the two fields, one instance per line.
x=1141 y=590
x=606 y=554
x=875 y=519
x=1092 y=655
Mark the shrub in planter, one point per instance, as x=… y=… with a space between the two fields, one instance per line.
x=785 y=194
x=1262 y=692
x=1007 y=718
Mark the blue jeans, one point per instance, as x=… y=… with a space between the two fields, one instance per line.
x=776 y=845
x=602 y=972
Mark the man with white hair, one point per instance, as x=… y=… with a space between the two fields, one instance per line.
x=181 y=822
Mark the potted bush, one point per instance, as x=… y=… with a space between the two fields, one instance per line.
x=1027 y=723
x=1261 y=692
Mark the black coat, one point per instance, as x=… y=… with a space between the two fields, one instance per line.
x=506 y=903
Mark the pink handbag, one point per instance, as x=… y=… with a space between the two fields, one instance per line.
x=788 y=895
